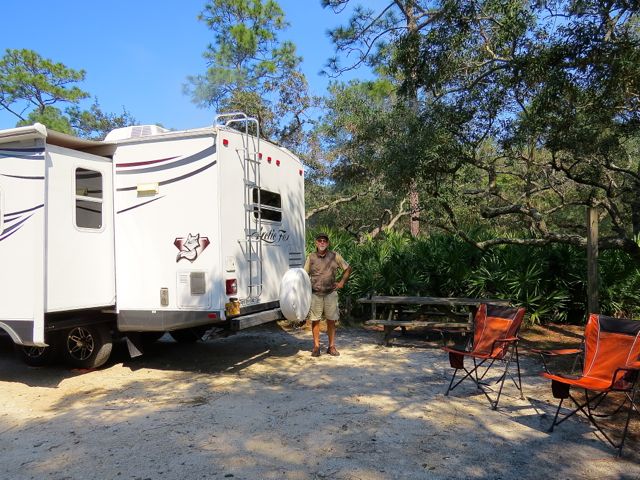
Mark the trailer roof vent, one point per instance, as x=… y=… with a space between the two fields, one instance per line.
x=134 y=132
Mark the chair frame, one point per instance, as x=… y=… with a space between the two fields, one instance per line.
x=509 y=351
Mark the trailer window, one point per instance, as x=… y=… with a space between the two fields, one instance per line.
x=88 y=198
x=268 y=204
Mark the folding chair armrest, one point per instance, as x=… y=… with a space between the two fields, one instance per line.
x=508 y=339
x=553 y=353
x=633 y=366
x=630 y=377
x=557 y=352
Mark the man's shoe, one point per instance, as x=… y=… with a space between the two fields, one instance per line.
x=333 y=352
x=315 y=352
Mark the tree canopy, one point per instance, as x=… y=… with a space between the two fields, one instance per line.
x=34 y=89
x=526 y=113
x=250 y=69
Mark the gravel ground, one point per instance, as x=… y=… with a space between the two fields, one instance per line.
x=256 y=405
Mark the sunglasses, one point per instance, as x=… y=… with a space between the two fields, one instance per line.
x=322 y=240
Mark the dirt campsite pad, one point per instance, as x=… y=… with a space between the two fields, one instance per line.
x=256 y=405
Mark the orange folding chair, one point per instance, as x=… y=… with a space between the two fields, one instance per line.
x=611 y=363
x=495 y=337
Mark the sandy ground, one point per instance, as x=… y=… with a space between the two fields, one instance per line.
x=256 y=405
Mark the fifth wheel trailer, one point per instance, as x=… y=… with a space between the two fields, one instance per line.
x=148 y=231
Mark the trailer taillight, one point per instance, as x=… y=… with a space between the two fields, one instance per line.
x=231 y=285
x=268 y=159
x=225 y=142
x=300 y=172
x=278 y=163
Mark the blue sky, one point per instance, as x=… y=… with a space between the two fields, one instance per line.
x=137 y=54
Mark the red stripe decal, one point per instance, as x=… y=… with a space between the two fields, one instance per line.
x=150 y=162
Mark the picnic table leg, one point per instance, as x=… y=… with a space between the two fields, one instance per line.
x=388 y=330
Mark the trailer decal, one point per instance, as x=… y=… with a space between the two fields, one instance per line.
x=138 y=164
x=272 y=236
x=185 y=161
x=172 y=180
x=22 y=177
x=190 y=247
x=139 y=205
x=8 y=231
x=11 y=214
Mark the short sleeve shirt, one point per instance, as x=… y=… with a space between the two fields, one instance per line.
x=322 y=270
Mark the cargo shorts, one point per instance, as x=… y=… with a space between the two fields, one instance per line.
x=324 y=306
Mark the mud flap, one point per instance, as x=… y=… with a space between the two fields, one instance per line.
x=134 y=350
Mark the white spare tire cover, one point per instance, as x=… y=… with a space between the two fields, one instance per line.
x=295 y=295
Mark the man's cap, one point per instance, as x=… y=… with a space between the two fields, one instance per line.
x=322 y=235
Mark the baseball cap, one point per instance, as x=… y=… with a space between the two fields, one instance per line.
x=322 y=235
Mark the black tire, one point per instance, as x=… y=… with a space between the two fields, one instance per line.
x=87 y=346
x=40 y=356
x=188 y=335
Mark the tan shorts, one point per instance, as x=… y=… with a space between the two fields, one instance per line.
x=324 y=306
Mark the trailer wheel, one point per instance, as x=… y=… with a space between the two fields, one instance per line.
x=39 y=356
x=87 y=346
x=188 y=335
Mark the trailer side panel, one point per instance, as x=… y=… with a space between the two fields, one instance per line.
x=22 y=212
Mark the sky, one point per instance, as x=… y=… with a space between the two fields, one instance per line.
x=137 y=54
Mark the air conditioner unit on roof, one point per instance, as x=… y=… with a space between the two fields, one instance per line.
x=135 y=131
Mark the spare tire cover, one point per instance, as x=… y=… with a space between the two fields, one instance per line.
x=295 y=295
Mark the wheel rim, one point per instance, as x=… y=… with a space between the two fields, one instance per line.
x=34 y=352
x=80 y=343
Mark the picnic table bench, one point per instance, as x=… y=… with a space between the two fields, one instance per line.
x=441 y=314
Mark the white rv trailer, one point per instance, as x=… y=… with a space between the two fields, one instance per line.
x=147 y=231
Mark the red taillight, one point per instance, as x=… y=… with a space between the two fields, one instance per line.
x=231 y=286
x=213 y=315
x=225 y=142
x=260 y=156
x=278 y=163
x=300 y=172
x=269 y=159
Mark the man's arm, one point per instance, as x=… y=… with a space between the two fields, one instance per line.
x=343 y=280
x=346 y=272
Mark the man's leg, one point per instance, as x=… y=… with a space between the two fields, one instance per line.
x=331 y=332
x=315 y=315
x=332 y=314
x=315 y=330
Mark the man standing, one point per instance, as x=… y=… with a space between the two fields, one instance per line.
x=322 y=266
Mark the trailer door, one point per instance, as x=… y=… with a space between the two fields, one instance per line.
x=80 y=239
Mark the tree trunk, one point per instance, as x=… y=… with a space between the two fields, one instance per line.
x=414 y=205
x=592 y=260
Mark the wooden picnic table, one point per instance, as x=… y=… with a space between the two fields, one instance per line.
x=408 y=311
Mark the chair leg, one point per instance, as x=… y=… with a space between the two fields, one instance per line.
x=451 y=382
x=553 y=424
x=519 y=375
x=589 y=405
x=632 y=407
x=494 y=405
x=475 y=370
